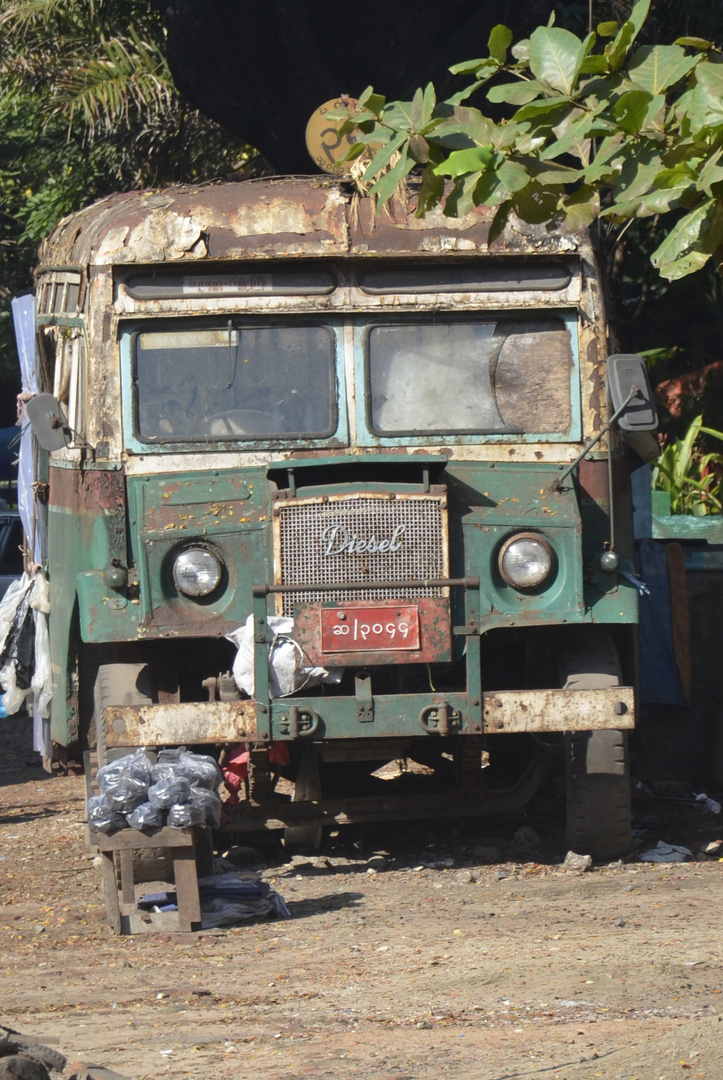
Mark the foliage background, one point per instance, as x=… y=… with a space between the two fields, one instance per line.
x=88 y=105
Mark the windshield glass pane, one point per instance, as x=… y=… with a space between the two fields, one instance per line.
x=235 y=383
x=485 y=376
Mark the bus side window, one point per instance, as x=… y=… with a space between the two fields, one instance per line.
x=57 y=358
x=69 y=376
x=77 y=391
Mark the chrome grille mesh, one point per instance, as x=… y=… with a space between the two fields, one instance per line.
x=314 y=539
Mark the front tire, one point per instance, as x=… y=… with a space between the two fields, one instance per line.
x=597 y=767
x=118 y=684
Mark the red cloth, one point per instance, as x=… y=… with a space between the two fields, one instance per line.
x=236 y=768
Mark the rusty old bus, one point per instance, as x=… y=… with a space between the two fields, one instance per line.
x=389 y=430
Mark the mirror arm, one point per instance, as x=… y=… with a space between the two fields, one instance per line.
x=588 y=447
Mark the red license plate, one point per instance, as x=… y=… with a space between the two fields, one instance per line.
x=363 y=629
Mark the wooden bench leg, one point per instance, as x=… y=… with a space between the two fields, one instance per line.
x=186 y=878
x=128 y=891
x=111 y=892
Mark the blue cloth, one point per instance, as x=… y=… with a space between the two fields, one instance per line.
x=659 y=678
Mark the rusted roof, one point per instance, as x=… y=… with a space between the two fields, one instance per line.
x=274 y=218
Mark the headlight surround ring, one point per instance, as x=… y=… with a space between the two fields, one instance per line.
x=197 y=571
x=526 y=561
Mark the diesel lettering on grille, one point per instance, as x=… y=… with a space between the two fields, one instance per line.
x=337 y=539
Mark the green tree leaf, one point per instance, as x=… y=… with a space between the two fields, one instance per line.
x=556 y=56
x=656 y=67
x=631 y=109
x=581 y=208
x=538 y=204
x=710 y=77
x=431 y=191
x=690 y=243
x=513 y=176
x=519 y=93
x=618 y=49
x=711 y=173
x=382 y=158
x=695 y=43
x=461 y=162
x=388 y=182
x=499 y=42
x=469 y=67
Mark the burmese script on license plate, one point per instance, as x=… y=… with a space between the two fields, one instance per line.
x=361 y=628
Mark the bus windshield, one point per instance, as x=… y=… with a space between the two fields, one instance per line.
x=476 y=375
x=234 y=382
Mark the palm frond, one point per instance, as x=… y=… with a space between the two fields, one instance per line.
x=126 y=75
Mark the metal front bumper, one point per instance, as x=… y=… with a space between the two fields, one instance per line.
x=388 y=716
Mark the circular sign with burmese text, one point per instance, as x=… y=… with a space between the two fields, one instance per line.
x=323 y=141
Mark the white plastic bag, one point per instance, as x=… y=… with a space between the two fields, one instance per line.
x=42 y=683
x=14 y=609
x=288 y=668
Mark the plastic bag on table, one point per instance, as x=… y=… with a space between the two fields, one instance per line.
x=169 y=792
x=199 y=769
x=145 y=816
x=102 y=817
x=127 y=795
x=182 y=817
x=210 y=803
x=136 y=766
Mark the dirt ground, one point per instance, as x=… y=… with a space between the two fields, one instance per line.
x=412 y=954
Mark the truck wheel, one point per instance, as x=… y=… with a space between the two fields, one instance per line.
x=118 y=684
x=597 y=770
x=306 y=789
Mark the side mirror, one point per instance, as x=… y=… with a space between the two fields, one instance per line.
x=627 y=375
x=48 y=422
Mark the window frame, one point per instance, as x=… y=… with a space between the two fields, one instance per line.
x=368 y=436
x=130 y=329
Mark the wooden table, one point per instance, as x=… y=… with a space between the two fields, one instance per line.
x=124 y=915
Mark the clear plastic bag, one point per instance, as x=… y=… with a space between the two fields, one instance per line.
x=145 y=816
x=199 y=769
x=136 y=766
x=102 y=817
x=210 y=803
x=172 y=791
x=182 y=817
x=127 y=794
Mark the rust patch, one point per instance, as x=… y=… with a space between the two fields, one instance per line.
x=90 y=494
x=178 y=620
x=515 y=711
x=595 y=399
x=186 y=723
x=90 y=491
x=594 y=482
x=280 y=218
x=195 y=517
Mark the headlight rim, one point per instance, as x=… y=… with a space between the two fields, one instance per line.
x=206 y=549
x=538 y=538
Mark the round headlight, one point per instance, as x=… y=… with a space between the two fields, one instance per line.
x=526 y=561
x=197 y=572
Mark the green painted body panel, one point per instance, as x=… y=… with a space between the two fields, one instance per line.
x=228 y=510
x=231 y=510
x=86 y=529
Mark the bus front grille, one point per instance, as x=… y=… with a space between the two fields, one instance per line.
x=359 y=539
